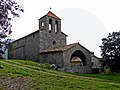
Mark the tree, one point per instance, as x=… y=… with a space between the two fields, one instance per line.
x=110 y=51
x=8 y=11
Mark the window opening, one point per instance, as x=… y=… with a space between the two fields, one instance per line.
x=50 y=24
x=92 y=63
x=56 y=26
x=53 y=42
x=42 y=23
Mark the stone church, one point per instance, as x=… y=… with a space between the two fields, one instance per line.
x=48 y=45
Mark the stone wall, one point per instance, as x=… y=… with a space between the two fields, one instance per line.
x=50 y=37
x=17 y=49
x=62 y=59
x=52 y=58
x=45 y=20
x=32 y=47
x=26 y=48
x=51 y=40
x=82 y=69
x=95 y=62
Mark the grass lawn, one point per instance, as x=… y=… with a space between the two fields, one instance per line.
x=110 y=77
x=29 y=75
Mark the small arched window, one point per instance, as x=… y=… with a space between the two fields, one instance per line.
x=56 y=26
x=53 y=42
x=50 y=24
x=42 y=23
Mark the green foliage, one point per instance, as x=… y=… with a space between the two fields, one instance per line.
x=43 y=78
x=8 y=10
x=110 y=51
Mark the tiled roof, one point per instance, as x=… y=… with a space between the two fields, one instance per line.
x=76 y=59
x=64 y=34
x=26 y=36
x=59 y=49
x=52 y=15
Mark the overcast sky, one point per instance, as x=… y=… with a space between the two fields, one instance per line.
x=84 y=21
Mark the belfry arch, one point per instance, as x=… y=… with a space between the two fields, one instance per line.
x=78 y=58
x=50 y=24
x=56 y=26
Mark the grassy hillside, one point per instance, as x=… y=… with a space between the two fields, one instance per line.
x=27 y=75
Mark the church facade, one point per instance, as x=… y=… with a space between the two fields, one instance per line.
x=49 y=45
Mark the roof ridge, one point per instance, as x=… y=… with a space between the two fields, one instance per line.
x=51 y=14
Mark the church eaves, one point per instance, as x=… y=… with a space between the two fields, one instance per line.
x=59 y=49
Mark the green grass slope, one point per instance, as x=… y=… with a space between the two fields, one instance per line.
x=27 y=75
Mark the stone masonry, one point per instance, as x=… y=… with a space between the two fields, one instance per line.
x=48 y=45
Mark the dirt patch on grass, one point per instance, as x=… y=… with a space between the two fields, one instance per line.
x=18 y=83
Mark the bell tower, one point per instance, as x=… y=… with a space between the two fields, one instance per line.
x=50 y=22
x=50 y=32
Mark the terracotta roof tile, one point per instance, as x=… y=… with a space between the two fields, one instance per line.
x=59 y=49
x=76 y=59
x=52 y=15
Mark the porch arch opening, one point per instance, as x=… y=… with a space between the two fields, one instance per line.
x=78 y=58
